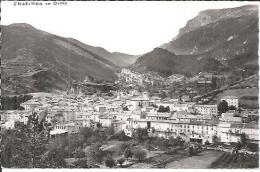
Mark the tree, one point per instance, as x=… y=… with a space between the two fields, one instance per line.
x=125 y=108
x=140 y=155
x=238 y=145
x=23 y=146
x=110 y=163
x=163 y=95
x=140 y=134
x=79 y=153
x=124 y=146
x=191 y=151
x=121 y=161
x=222 y=107
x=94 y=154
x=128 y=153
x=232 y=107
x=110 y=131
x=214 y=139
x=163 y=109
x=148 y=144
x=52 y=159
x=207 y=142
x=243 y=139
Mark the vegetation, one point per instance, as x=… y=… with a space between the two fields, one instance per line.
x=25 y=146
x=121 y=161
x=140 y=155
x=163 y=109
x=140 y=135
x=232 y=107
x=128 y=153
x=110 y=163
x=222 y=107
x=13 y=102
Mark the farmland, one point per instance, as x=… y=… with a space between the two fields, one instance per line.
x=229 y=160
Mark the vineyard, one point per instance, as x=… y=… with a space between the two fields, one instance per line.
x=229 y=160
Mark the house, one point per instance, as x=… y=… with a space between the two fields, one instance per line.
x=206 y=109
x=123 y=126
x=106 y=120
x=137 y=102
x=230 y=119
x=163 y=128
x=185 y=98
x=88 y=123
x=158 y=116
x=226 y=134
x=250 y=130
x=231 y=100
x=67 y=127
x=30 y=104
x=202 y=131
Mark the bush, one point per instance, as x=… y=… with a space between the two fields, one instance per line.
x=128 y=153
x=124 y=146
x=121 y=161
x=163 y=109
x=140 y=155
x=140 y=134
x=120 y=136
x=207 y=143
x=110 y=163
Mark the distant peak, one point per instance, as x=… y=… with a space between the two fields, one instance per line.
x=25 y=25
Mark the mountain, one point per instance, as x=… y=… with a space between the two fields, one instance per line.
x=34 y=60
x=229 y=36
x=166 y=63
x=119 y=59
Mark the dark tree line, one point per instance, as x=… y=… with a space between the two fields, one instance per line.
x=13 y=102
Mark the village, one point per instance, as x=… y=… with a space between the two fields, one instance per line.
x=133 y=108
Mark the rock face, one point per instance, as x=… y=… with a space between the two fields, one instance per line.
x=228 y=38
x=33 y=60
x=227 y=35
x=212 y=16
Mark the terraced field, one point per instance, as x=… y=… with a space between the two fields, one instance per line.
x=229 y=160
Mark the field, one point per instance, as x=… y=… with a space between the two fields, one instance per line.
x=200 y=161
x=248 y=97
x=233 y=161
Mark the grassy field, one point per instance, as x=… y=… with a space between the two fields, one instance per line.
x=200 y=161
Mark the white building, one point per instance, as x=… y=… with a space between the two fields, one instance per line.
x=231 y=100
x=206 y=109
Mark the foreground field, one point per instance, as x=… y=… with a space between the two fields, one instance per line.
x=200 y=161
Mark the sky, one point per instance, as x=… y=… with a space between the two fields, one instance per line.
x=127 y=27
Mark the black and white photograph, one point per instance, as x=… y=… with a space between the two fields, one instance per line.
x=129 y=85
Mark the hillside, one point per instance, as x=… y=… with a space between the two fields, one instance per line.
x=34 y=60
x=229 y=36
x=117 y=58
x=166 y=63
